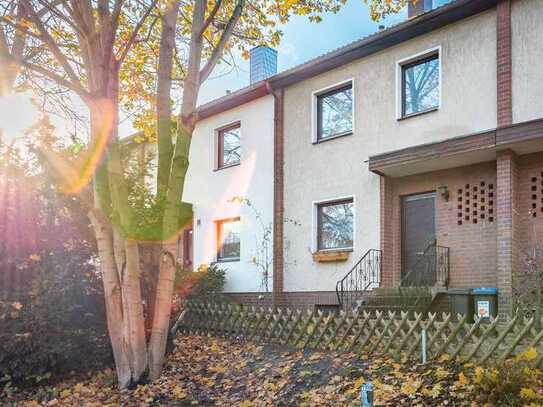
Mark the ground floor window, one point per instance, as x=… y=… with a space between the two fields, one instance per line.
x=335 y=225
x=228 y=234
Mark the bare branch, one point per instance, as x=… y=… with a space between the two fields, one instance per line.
x=225 y=37
x=58 y=79
x=53 y=47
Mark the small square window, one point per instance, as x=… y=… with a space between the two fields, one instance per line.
x=228 y=238
x=229 y=146
x=420 y=85
x=335 y=224
x=335 y=113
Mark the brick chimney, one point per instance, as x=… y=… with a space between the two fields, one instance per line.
x=416 y=7
x=263 y=63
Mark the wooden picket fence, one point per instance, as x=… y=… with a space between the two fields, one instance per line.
x=397 y=334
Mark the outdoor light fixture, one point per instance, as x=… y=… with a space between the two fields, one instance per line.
x=444 y=192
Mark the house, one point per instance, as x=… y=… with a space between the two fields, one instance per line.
x=412 y=157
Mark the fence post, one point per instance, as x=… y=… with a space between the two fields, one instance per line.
x=423 y=347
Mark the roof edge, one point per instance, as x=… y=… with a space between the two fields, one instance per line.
x=409 y=29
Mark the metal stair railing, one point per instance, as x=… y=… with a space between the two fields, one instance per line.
x=431 y=269
x=364 y=274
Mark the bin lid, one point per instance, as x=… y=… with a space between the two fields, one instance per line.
x=458 y=291
x=484 y=291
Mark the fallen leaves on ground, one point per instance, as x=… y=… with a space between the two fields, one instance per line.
x=206 y=371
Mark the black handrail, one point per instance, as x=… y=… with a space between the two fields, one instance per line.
x=431 y=269
x=365 y=273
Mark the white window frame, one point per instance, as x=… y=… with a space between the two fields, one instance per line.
x=399 y=80
x=314 y=107
x=315 y=223
x=216 y=135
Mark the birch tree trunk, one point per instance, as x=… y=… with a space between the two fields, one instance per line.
x=112 y=295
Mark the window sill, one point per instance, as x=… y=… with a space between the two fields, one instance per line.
x=324 y=140
x=327 y=256
x=433 y=109
x=226 y=166
x=230 y=260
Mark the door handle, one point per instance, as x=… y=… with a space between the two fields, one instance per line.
x=419 y=253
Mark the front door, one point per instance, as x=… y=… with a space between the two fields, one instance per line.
x=418 y=233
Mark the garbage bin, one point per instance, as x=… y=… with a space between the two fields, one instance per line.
x=484 y=302
x=461 y=302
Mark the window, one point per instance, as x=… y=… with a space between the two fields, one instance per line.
x=335 y=224
x=335 y=113
x=229 y=146
x=420 y=85
x=228 y=240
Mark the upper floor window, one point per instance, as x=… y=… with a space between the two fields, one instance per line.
x=335 y=225
x=335 y=112
x=228 y=235
x=229 y=146
x=420 y=85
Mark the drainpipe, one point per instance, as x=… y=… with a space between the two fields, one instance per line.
x=278 y=193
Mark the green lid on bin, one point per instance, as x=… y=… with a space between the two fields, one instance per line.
x=484 y=291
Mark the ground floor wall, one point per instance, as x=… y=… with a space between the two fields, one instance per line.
x=465 y=222
x=294 y=300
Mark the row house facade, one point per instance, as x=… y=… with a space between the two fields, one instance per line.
x=346 y=173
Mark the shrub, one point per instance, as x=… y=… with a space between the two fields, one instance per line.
x=205 y=284
x=58 y=328
x=514 y=382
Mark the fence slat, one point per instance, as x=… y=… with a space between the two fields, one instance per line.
x=393 y=333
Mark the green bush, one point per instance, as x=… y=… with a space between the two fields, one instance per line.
x=205 y=284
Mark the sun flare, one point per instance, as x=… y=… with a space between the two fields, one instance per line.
x=17 y=113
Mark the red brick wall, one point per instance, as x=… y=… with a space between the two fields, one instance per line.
x=472 y=245
x=278 y=196
x=386 y=235
x=294 y=300
x=530 y=207
x=507 y=228
x=504 y=63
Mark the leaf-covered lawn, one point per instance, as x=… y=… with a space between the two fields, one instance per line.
x=216 y=372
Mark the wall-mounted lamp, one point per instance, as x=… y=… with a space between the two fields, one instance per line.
x=443 y=192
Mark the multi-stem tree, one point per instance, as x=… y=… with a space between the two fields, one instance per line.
x=81 y=47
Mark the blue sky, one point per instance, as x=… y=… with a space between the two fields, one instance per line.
x=303 y=40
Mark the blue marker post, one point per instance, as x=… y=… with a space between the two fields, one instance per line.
x=366 y=394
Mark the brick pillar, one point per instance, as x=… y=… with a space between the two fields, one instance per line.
x=504 y=64
x=507 y=228
x=386 y=231
x=278 y=198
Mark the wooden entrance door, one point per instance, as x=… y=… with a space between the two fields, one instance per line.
x=418 y=232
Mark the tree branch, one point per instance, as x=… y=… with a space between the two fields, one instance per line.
x=58 y=79
x=52 y=45
x=134 y=35
x=225 y=37
x=211 y=16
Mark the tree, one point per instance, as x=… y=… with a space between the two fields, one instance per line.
x=59 y=46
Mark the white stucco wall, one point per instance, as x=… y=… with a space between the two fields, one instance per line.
x=527 y=47
x=210 y=191
x=337 y=167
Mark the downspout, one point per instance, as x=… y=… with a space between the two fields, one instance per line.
x=278 y=193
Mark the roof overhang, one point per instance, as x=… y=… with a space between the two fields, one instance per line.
x=522 y=138
x=234 y=99
x=414 y=27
